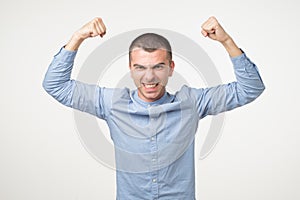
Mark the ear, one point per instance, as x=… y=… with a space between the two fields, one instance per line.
x=172 y=66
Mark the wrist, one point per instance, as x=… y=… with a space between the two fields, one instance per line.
x=230 y=46
x=227 y=42
x=74 y=42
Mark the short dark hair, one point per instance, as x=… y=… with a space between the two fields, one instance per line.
x=150 y=42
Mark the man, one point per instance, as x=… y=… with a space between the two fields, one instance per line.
x=153 y=130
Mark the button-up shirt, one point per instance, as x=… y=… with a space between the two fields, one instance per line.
x=154 y=141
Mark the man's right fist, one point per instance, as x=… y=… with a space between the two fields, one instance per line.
x=93 y=28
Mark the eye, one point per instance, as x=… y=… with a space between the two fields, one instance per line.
x=139 y=67
x=158 y=67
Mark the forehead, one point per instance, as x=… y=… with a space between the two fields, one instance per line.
x=140 y=56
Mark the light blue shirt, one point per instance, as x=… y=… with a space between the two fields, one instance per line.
x=154 y=142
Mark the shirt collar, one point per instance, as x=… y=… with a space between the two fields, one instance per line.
x=147 y=104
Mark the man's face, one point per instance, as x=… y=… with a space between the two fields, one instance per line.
x=150 y=72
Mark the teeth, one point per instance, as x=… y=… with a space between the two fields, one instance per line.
x=150 y=85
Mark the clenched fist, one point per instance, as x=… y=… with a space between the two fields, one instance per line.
x=93 y=28
x=212 y=29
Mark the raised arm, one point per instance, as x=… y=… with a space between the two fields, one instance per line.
x=57 y=81
x=247 y=87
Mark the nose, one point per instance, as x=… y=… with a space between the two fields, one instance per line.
x=149 y=75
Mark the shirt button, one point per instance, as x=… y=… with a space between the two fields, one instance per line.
x=154 y=180
x=152 y=138
x=153 y=159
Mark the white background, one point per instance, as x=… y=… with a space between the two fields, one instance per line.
x=41 y=156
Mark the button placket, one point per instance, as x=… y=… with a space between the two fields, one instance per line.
x=154 y=146
x=153 y=161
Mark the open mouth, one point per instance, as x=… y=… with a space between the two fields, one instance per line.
x=150 y=86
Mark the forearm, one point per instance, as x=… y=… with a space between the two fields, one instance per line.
x=71 y=93
x=232 y=49
x=249 y=84
x=57 y=81
x=247 y=87
x=74 y=42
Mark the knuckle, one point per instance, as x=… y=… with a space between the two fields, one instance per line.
x=95 y=20
x=212 y=17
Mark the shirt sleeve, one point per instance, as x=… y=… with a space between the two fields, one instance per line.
x=247 y=87
x=81 y=96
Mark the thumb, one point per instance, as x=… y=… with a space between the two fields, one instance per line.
x=204 y=33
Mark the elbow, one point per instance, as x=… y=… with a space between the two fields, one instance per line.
x=47 y=86
x=262 y=89
x=259 y=90
x=62 y=92
x=253 y=94
x=51 y=87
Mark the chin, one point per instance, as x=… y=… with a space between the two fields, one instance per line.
x=153 y=97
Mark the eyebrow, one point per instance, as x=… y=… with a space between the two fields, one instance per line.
x=138 y=65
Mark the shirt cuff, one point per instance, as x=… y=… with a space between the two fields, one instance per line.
x=241 y=60
x=66 y=55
